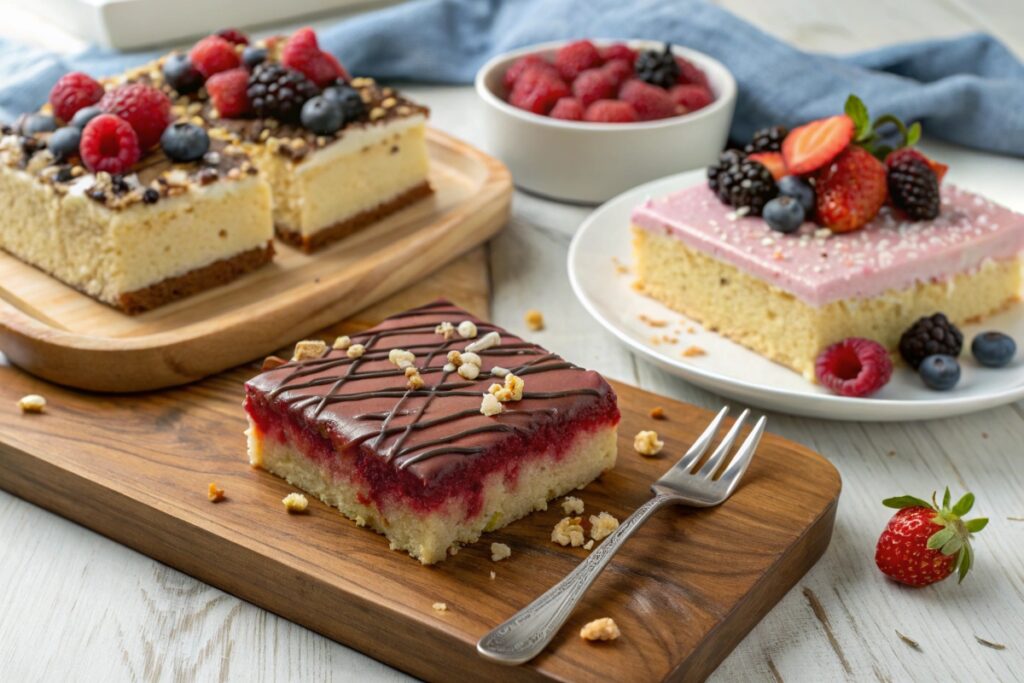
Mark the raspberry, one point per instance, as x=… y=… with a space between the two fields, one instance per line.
x=537 y=90
x=147 y=109
x=691 y=73
x=109 y=144
x=303 y=53
x=691 y=96
x=575 y=58
x=212 y=55
x=610 y=111
x=593 y=85
x=567 y=109
x=228 y=92
x=619 y=69
x=233 y=36
x=73 y=92
x=649 y=101
x=854 y=367
x=513 y=73
x=619 y=51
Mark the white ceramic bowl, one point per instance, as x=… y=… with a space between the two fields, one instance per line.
x=592 y=162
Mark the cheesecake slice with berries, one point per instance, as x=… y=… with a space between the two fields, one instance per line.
x=431 y=428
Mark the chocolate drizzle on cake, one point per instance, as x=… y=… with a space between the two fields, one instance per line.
x=414 y=428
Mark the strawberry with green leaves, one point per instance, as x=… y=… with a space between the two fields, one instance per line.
x=924 y=542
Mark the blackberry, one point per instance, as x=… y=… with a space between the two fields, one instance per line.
x=657 y=68
x=279 y=92
x=767 y=140
x=930 y=336
x=914 y=187
x=740 y=182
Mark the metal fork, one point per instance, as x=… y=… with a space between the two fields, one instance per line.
x=528 y=632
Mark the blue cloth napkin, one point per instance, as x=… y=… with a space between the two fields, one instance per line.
x=968 y=90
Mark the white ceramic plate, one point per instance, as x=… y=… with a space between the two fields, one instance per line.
x=734 y=371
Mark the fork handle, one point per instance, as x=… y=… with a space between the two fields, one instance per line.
x=529 y=631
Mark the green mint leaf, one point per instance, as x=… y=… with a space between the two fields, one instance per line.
x=976 y=525
x=946 y=498
x=900 y=502
x=940 y=538
x=913 y=134
x=858 y=112
x=964 y=505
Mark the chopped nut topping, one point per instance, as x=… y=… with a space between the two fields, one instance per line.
x=469 y=371
x=455 y=358
x=388 y=102
x=309 y=349
x=499 y=551
x=355 y=351
x=415 y=381
x=569 y=531
x=445 y=329
x=342 y=343
x=410 y=371
x=402 y=358
x=448 y=367
x=658 y=413
x=33 y=403
x=485 y=342
x=588 y=545
x=499 y=371
x=601 y=525
x=512 y=390
x=604 y=628
x=534 y=320
x=215 y=494
x=440 y=607
x=490 y=406
x=572 y=505
x=271 y=362
x=295 y=502
x=377 y=113
x=467 y=329
x=646 y=443
x=470 y=358
x=691 y=351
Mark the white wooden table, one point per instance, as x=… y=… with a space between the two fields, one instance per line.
x=74 y=605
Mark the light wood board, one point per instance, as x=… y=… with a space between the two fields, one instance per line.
x=62 y=335
x=684 y=591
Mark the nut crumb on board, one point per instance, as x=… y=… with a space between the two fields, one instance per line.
x=215 y=494
x=572 y=505
x=534 y=320
x=295 y=502
x=602 y=525
x=658 y=413
x=604 y=628
x=499 y=551
x=588 y=545
x=33 y=403
x=652 y=322
x=691 y=351
x=440 y=607
x=568 y=531
x=646 y=443
x=493 y=575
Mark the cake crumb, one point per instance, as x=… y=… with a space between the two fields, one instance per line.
x=215 y=494
x=691 y=351
x=572 y=505
x=535 y=320
x=658 y=413
x=295 y=502
x=646 y=443
x=360 y=520
x=588 y=545
x=493 y=576
x=569 y=531
x=652 y=322
x=601 y=525
x=490 y=405
x=467 y=329
x=355 y=351
x=341 y=343
x=271 y=362
x=440 y=607
x=33 y=403
x=620 y=267
x=309 y=349
x=445 y=329
x=604 y=628
x=499 y=551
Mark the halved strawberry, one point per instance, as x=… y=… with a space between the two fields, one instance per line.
x=850 y=190
x=773 y=161
x=813 y=145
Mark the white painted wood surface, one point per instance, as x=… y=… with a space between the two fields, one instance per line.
x=76 y=606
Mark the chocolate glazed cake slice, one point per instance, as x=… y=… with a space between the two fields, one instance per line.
x=432 y=427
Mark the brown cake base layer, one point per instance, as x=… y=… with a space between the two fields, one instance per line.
x=195 y=281
x=310 y=243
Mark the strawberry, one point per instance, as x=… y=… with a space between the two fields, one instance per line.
x=773 y=161
x=813 y=145
x=850 y=190
x=924 y=542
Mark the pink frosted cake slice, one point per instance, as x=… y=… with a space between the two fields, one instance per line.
x=789 y=296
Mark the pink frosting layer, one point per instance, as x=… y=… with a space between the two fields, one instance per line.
x=819 y=267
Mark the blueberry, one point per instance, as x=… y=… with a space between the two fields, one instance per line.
x=64 y=142
x=30 y=124
x=322 y=116
x=252 y=55
x=184 y=142
x=939 y=372
x=181 y=75
x=993 y=349
x=783 y=214
x=84 y=116
x=800 y=190
x=351 y=102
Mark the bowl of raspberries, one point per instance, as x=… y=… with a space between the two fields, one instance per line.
x=585 y=120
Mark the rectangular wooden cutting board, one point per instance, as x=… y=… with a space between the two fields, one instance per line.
x=684 y=591
x=62 y=335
